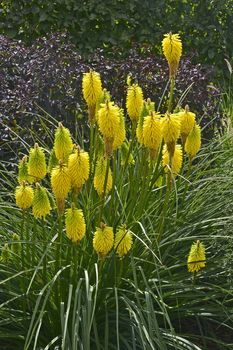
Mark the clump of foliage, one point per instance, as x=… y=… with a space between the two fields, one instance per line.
x=92 y=24
x=103 y=260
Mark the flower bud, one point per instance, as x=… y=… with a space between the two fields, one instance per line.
x=99 y=178
x=36 y=164
x=41 y=204
x=196 y=258
x=78 y=168
x=75 y=224
x=24 y=196
x=177 y=159
x=23 y=170
x=193 y=141
x=134 y=101
x=152 y=135
x=123 y=241
x=103 y=240
x=61 y=185
x=63 y=144
x=172 y=49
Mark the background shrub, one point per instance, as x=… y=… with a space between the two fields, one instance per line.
x=47 y=75
x=206 y=25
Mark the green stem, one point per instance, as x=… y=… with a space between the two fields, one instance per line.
x=121 y=177
x=143 y=183
x=156 y=174
x=165 y=209
x=171 y=93
x=114 y=159
x=120 y=272
x=186 y=183
x=44 y=250
x=22 y=281
x=58 y=257
x=168 y=187
x=92 y=127
x=34 y=235
x=104 y=193
x=22 y=239
x=75 y=263
x=27 y=240
x=134 y=126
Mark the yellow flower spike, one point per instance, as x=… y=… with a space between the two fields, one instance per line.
x=103 y=240
x=41 y=204
x=152 y=131
x=75 y=224
x=23 y=170
x=36 y=164
x=134 y=101
x=24 y=196
x=196 y=258
x=170 y=131
x=92 y=89
x=78 y=168
x=139 y=130
x=109 y=120
x=172 y=49
x=147 y=107
x=53 y=162
x=121 y=133
x=63 y=144
x=187 y=122
x=61 y=184
x=6 y=254
x=193 y=142
x=177 y=159
x=99 y=178
x=129 y=79
x=104 y=98
x=123 y=241
x=16 y=245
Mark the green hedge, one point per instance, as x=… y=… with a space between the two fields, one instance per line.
x=205 y=25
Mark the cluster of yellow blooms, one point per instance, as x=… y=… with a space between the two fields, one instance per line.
x=69 y=165
x=104 y=241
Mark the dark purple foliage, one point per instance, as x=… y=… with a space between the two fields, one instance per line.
x=48 y=75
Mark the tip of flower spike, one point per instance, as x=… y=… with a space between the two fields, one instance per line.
x=73 y=206
x=60 y=125
x=24 y=159
x=128 y=80
x=186 y=108
x=151 y=113
x=76 y=147
x=38 y=185
x=36 y=146
x=102 y=225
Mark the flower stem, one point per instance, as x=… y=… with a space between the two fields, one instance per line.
x=171 y=93
x=169 y=178
x=44 y=250
x=104 y=193
x=58 y=257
